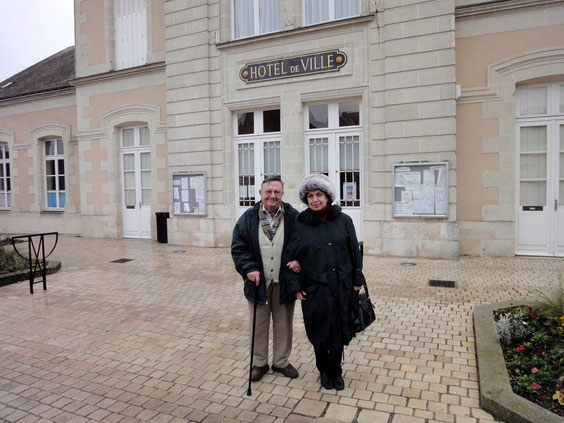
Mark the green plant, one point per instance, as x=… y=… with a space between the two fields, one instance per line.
x=552 y=305
x=10 y=261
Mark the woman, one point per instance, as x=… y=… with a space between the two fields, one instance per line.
x=324 y=242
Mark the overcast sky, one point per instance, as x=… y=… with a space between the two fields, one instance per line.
x=32 y=30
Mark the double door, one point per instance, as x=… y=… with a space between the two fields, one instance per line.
x=136 y=192
x=540 y=213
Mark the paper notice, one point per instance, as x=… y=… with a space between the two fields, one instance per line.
x=428 y=177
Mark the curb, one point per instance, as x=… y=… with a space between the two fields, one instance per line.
x=496 y=394
x=53 y=266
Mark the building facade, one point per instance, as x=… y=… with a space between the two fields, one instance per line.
x=439 y=122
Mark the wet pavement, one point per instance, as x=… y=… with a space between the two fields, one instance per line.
x=164 y=338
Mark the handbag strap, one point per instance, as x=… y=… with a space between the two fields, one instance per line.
x=366 y=290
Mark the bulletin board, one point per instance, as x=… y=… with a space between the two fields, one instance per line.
x=420 y=189
x=189 y=194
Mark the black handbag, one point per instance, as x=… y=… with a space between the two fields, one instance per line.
x=362 y=312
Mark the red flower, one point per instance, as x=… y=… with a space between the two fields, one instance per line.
x=533 y=316
x=534 y=370
x=535 y=386
x=520 y=349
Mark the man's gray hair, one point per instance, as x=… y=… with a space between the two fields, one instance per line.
x=272 y=178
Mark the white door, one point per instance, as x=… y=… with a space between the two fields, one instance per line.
x=333 y=138
x=559 y=191
x=540 y=215
x=337 y=155
x=136 y=183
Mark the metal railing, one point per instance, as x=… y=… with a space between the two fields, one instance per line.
x=37 y=260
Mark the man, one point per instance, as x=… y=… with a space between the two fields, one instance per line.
x=257 y=248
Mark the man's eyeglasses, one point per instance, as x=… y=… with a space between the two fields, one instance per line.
x=270 y=193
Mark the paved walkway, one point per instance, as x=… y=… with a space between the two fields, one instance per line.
x=164 y=338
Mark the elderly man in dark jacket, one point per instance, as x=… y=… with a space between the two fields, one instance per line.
x=259 y=239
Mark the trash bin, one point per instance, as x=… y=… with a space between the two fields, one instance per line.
x=162 y=235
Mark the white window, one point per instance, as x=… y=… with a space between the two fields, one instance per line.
x=5 y=179
x=55 y=174
x=333 y=135
x=317 y=11
x=130 y=18
x=254 y=17
x=257 y=137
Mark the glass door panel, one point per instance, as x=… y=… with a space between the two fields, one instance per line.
x=349 y=170
x=246 y=156
x=319 y=155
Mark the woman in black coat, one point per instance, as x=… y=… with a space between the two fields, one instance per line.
x=324 y=242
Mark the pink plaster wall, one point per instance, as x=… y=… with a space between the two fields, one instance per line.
x=100 y=104
x=21 y=165
x=97 y=177
x=474 y=54
x=20 y=124
x=94 y=29
x=158 y=25
x=471 y=195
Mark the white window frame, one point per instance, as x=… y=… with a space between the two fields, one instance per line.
x=331 y=5
x=6 y=177
x=552 y=97
x=58 y=156
x=259 y=138
x=256 y=21
x=332 y=133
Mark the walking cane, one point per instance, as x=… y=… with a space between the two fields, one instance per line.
x=249 y=392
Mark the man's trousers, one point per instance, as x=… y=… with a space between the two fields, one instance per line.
x=282 y=328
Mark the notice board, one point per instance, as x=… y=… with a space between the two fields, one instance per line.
x=420 y=189
x=189 y=193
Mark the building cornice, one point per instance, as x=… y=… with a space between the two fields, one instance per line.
x=123 y=73
x=295 y=31
x=499 y=6
x=41 y=95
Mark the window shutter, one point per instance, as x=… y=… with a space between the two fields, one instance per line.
x=130 y=33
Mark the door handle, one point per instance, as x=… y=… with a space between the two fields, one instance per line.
x=555 y=205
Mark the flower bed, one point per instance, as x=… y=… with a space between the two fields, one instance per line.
x=532 y=340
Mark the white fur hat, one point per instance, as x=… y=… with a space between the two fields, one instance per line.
x=316 y=181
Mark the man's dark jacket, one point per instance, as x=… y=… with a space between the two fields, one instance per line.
x=245 y=250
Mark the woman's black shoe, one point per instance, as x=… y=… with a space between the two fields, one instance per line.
x=338 y=383
x=326 y=381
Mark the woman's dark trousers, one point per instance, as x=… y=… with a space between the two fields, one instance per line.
x=328 y=361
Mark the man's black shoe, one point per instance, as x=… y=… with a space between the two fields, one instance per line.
x=258 y=372
x=288 y=371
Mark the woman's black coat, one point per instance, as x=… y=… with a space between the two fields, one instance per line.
x=245 y=251
x=328 y=251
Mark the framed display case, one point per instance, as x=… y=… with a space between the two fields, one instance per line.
x=189 y=193
x=420 y=189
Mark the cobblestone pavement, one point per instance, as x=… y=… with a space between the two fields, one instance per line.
x=164 y=338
